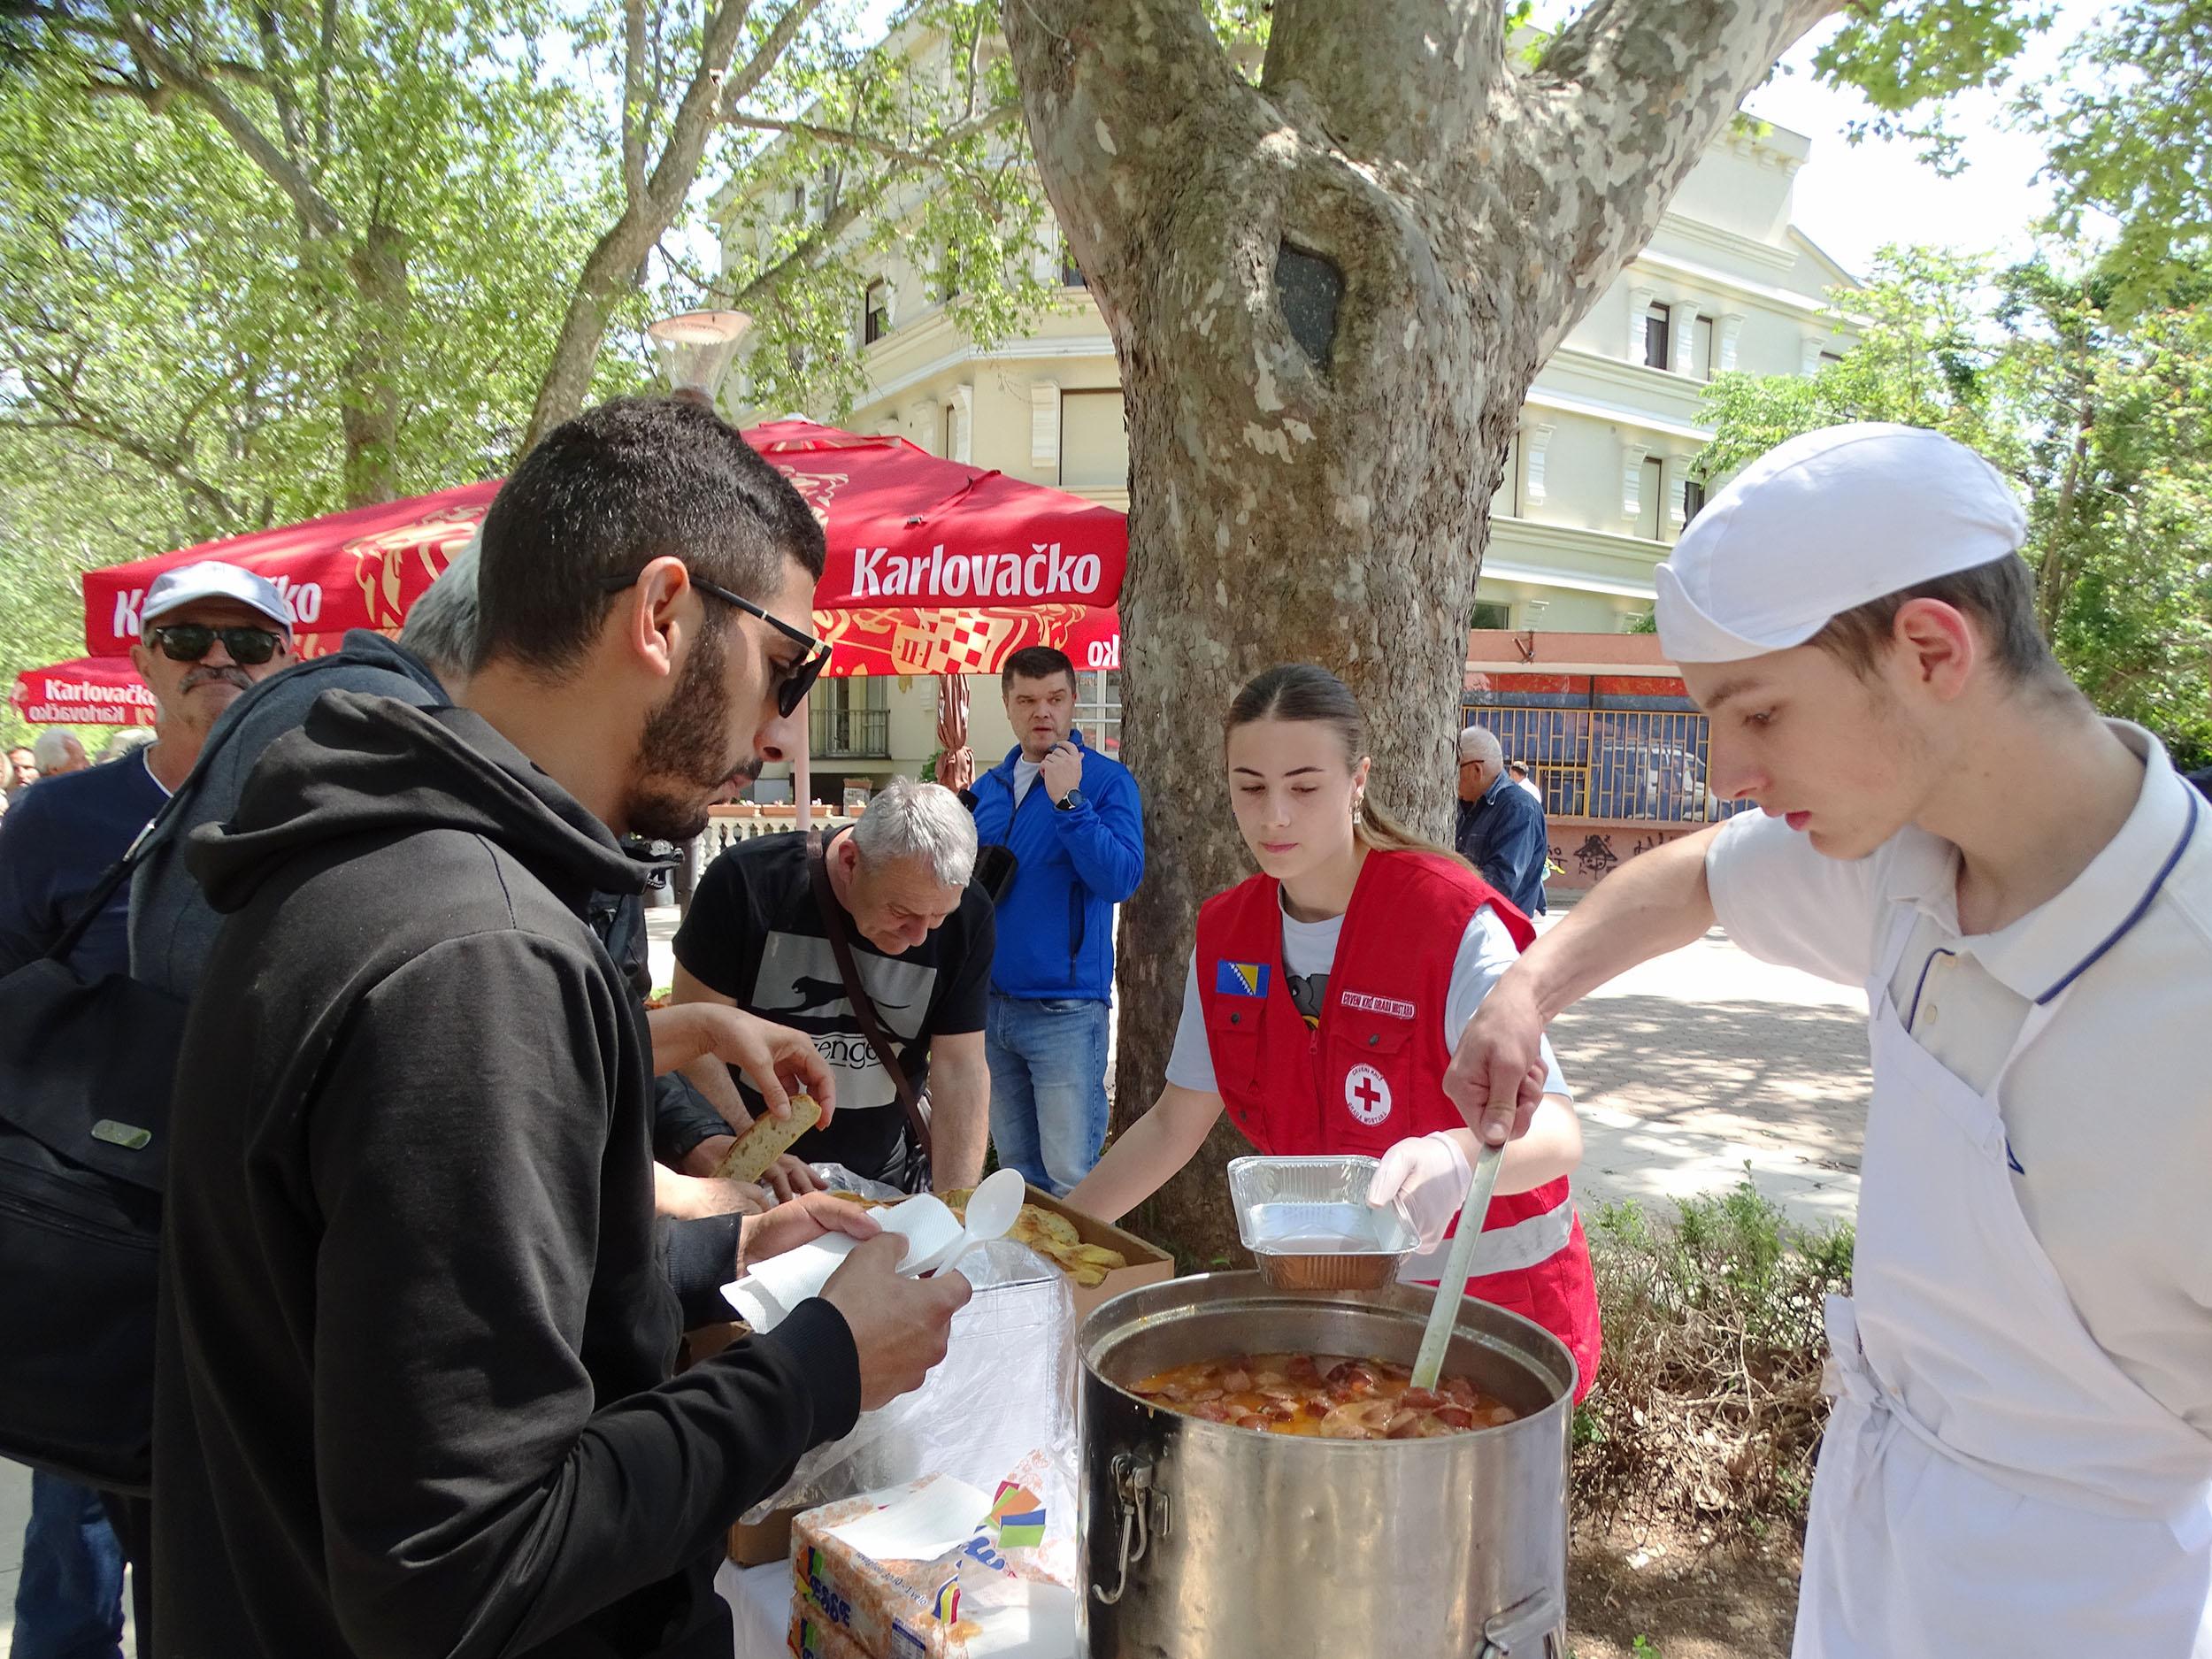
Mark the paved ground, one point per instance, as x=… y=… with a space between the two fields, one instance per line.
x=1705 y=1061
x=1687 y=1070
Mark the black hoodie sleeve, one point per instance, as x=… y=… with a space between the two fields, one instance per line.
x=483 y=1207
x=682 y=1118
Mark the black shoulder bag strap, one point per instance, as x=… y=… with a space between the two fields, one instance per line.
x=863 y=1007
x=118 y=874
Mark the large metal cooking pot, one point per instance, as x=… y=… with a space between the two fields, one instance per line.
x=1203 y=1540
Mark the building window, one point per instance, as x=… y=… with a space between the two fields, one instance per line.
x=1693 y=499
x=876 y=312
x=1655 y=338
x=1070 y=273
x=1491 y=613
x=1093 y=441
x=1703 y=367
x=1098 y=708
x=846 y=720
x=1647 y=499
x=798 y=200
x=1826 y=358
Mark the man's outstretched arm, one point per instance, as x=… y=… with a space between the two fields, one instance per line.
x=1655 y=902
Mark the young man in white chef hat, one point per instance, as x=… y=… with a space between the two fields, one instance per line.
x=2019 y=1460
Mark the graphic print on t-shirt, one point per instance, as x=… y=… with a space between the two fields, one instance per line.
x=798 y=985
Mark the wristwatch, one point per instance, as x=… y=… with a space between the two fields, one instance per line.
x=1069 y=802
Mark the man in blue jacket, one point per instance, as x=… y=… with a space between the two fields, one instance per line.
x=1071 y=818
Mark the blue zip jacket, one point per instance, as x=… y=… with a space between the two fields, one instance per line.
x=1056 y=924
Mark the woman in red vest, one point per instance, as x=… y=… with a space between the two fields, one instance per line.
x=1324 y=998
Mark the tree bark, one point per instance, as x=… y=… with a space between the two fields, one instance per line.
x=2055 y=580
x=368 y=388
x=1317 y=488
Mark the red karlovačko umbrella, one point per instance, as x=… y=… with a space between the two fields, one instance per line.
x=84 y=691
x=907 y=529
x=358 y=569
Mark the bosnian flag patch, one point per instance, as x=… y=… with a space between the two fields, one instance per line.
x=1239 y=979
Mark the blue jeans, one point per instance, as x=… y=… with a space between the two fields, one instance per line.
x=1048 y=1088
x=69 y=1601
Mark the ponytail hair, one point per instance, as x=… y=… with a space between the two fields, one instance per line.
x=1302 y=693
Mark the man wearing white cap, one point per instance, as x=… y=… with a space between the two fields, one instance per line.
x=211 y=630
x=2019 y=1457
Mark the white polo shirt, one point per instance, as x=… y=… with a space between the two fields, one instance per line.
x=2109 y=1112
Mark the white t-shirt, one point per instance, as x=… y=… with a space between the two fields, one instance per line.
x=1025 y=773
x=1485 y=952
x=2110 y=1114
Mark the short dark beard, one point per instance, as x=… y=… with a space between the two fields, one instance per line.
x=683 y=753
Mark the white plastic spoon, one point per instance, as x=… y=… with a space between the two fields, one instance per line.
x=1428 y=1364
x=993 y=1210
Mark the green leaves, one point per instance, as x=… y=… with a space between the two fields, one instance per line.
x=2126 y=123
x=2101 y=415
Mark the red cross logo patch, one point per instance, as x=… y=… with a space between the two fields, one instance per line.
x=1367 y=1093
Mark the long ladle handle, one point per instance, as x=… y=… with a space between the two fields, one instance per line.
x=1444 y=1313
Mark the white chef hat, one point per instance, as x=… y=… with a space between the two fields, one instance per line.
x=1822 y=524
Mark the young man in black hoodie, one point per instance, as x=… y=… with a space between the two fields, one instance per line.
x=413 y=1392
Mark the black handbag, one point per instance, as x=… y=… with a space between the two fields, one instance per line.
x=86 y=1070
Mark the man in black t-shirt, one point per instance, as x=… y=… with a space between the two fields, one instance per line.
x=922 y=935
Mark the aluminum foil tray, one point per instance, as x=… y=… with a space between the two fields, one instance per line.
x=1308 y=1225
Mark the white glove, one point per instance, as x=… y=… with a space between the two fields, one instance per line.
x=1428 y=1177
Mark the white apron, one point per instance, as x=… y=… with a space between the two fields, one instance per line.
x=1990 y=1483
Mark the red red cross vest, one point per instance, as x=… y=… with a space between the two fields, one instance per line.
x=1373 y=1074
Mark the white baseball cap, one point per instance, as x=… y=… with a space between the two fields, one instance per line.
x=212 y=579
x=1823 y=523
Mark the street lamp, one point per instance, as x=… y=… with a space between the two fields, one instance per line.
x=695 y=349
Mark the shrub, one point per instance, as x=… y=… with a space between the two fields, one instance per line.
x=1707 y=1407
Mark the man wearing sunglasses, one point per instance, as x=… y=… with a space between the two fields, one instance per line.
x=212 y=630
x=412 y=1390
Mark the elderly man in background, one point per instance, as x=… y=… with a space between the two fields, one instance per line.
x=1500 y=829
x=57 y=753
x=921 y=933
x=211 y=630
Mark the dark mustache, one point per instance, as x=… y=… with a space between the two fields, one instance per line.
x=207 y=674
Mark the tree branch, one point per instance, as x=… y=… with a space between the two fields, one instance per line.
x=633 y=101
x=1647 y=85
x=818 y=242
x=279 y=82
x=1408 y=84
x=848 y=139
x=129 y=443
x=747 y=81
x=312 y=204
x=326 y=64
x=693 y=121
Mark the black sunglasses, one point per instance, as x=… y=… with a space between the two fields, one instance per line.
x=809 y=669
x=188 y=641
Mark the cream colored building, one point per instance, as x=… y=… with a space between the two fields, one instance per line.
x=1596 y=488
